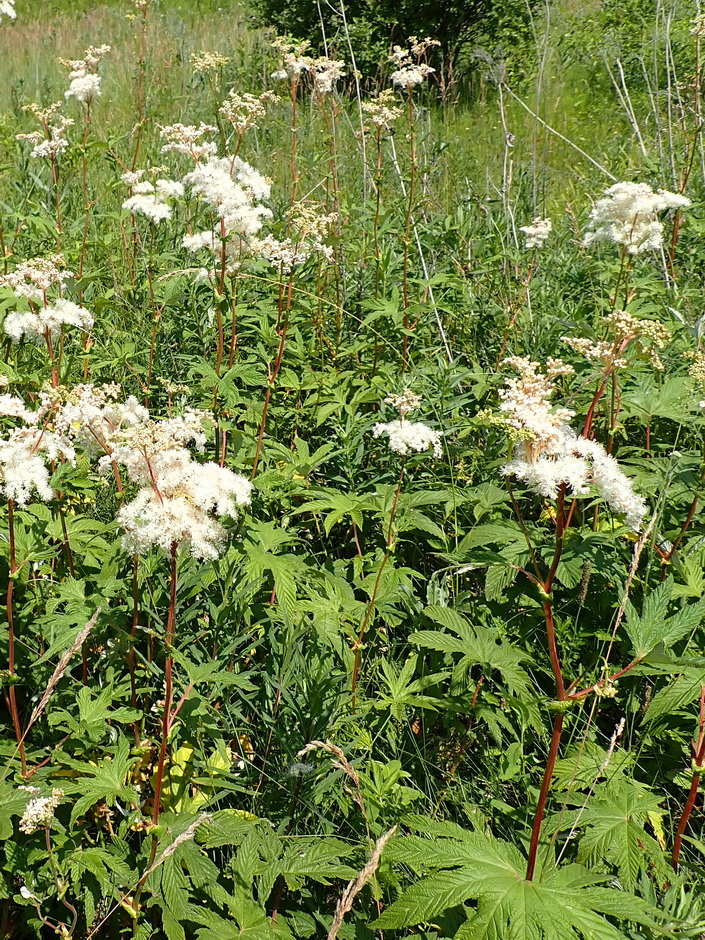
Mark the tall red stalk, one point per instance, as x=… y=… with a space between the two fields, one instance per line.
x=10 y=694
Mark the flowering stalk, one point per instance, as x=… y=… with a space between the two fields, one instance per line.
x=283 y=326
x=357 y=646
x=143 y=6
x=10 y=694
x=378 y=205
x=698 y=756
x=86 y=202
x=167 y=717
x=407 y=231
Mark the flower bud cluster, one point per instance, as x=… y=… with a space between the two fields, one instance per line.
x=208 y=61
x=381 y=110
x=623 y=328
x=244 y=111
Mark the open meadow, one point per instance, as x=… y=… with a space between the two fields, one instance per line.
x=352 y=473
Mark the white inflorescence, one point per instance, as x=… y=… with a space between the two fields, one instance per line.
x=47 y=321
x=549 y=454
x=404 y=436
x=623 y=328
x=51 y=142
x=537 y=232
x=23 y=462
x=84 y=81
x=33 y=279
x=7 y=8
x=180 y=501
x=310 y=228
x=382 y=110
x=410 y=70
x=628 y=215
x=243 y=111
x=234 y=190
x=152 y=200
x=40 y=810
x=294 y=61
x=326 y=73
x=186 y=138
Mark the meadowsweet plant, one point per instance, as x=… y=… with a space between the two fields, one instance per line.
x=351 y=475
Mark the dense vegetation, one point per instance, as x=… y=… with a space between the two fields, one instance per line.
x=351 y=464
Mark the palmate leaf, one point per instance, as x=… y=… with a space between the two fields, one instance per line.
x=653 y=626
x=559 y=904
x=476 y=645
x=614 y=822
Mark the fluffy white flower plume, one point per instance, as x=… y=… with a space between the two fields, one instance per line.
x=406 y=437
x=7 y=8
x=23 y=462
x=410 y=70
x=188 y=139
x=34 y=279
x=294 y=61
x=549 y=454
x=47 y=321
x=537 y=232
x=180 y=501
x=628 y=215
x=84 y=88
x=326 y=73
x=85 y=82
x=152 y=201
x=40 y=810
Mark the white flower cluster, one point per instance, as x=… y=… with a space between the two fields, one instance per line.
x=47 y=321
x=326 y=73
x=7 y=8
x=84 y=80
x=51 y=142
x=26 y=451
x=294 y=61
x=180 y=500
x=537 y=232
x=310 y=228
x=410 y=70
x=188 y=139
x=152 y=200
x=549 y=454
x=404 y=436
x=33 y=279
x=234 y=190
x=623 y=328
x=208 y=61
x=40 y=810
x=243 y=111
x=628 y=215
x=381 y=110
